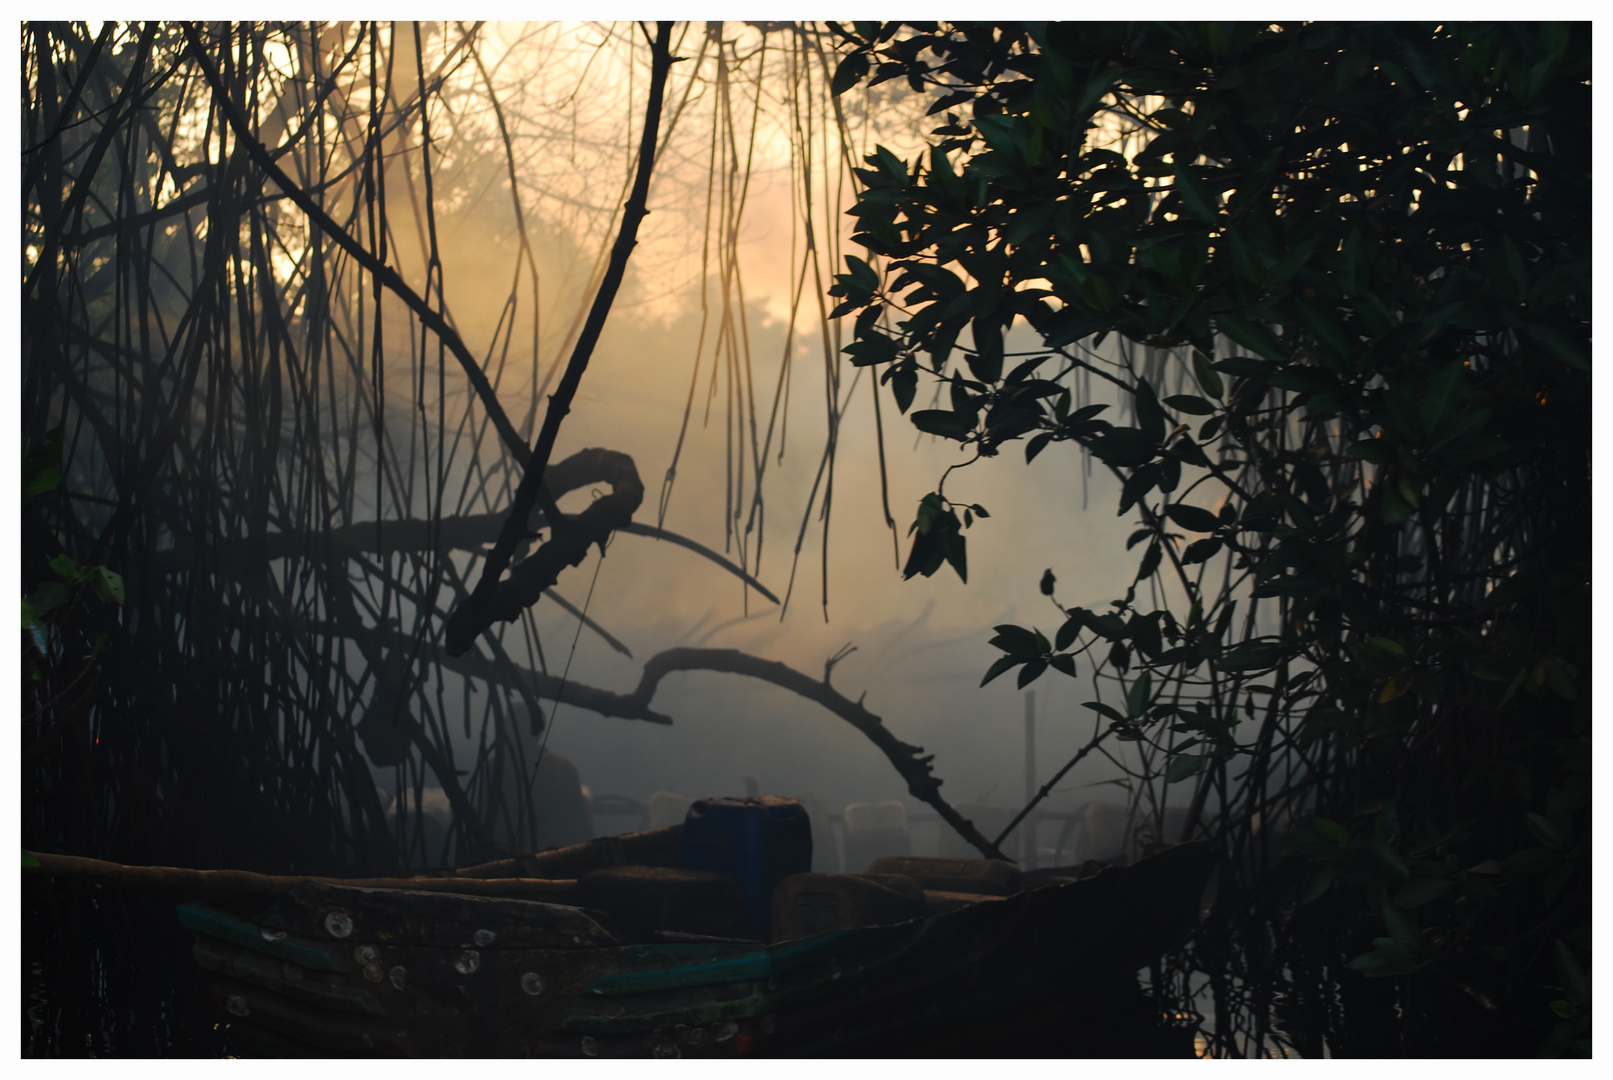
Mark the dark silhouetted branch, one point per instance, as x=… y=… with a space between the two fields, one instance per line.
x=492 y=597
x=921 y=781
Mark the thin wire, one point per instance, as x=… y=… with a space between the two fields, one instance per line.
x=561 y=692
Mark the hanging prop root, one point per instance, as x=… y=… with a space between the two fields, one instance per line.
x=568 y=545
x=485 y=603
x=913 y=768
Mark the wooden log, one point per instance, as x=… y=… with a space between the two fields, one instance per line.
x=209 y=882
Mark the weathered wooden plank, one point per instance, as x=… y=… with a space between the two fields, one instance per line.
x=316 y=1027
x=272 y=942
x=447 y=920
x=509 y=883
x=689 y=1006
x=282 y=976
x=642 y=968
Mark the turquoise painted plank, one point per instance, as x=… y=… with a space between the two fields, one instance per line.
x=225 y=927
x=662 y=967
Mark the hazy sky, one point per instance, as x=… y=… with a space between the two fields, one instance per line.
x=922 y=644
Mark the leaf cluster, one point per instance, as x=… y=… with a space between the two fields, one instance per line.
x=1367 y=250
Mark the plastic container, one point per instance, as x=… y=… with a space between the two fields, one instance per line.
x=873 y=831
x=757 y=840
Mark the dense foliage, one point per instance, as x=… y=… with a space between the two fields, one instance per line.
x=1348 y=268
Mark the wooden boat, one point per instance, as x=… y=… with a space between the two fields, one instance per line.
x=332 y=969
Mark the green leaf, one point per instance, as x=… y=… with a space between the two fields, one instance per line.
x=1031 y=671
x=1150 y=562
x=47 y=597
x=1209 y=380
x=1190 y=403
x=1200 y=550
x=1303 y=380
x=1291 y=261
x=43 y=481
x=1377 y=451
x=1150 y=417
x=1530 y=861
x=1401 y=924
x=942 y=422
x=1000 y=665
x=1124 y=446
x=1105 y=710
x=1192 y=518
x=107 y=585
x=1144 y=630
x=950 y=101
x=1017 y=641
x=1444 y=394
x=28 y=860
x=1067 y=633
x=1137 y=485
x=1395 y=509
x=904 y=384
x=1387 y=647
x=1138 y=697
x=1561 y=346
x=1108 y=627
x=1546 y=832
x=66 y=567
x=1570 y=973
x=1246 y=367
x=1170 y=470
x=1316 y=883
x=1198 y=199
x=866 y=275
x=870 y=348
x=1421 y=891
x=1330 y=830
x=890 y=165
x=955 y=549
x=1251 y=335
x=1183 y=766
x=1387 y=958
x=41 y=463
x=849 y=72
x=1250 y=656
x=1389 y=857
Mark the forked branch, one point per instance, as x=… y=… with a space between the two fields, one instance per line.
x=491 y=599
x=906 y=758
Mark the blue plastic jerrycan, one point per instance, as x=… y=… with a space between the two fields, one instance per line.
x=758 y=840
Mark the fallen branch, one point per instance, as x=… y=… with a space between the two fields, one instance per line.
x=921 y=782
x=540 y=684
x=467 y=532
